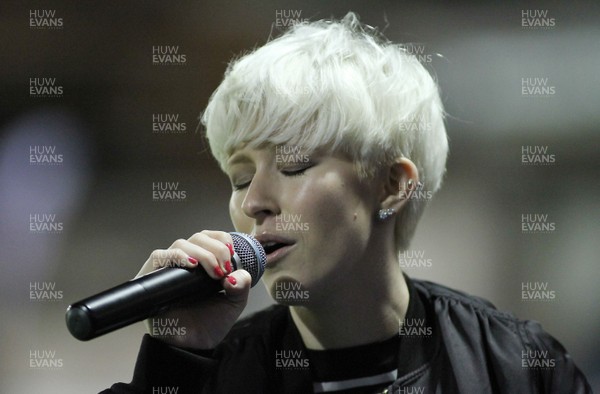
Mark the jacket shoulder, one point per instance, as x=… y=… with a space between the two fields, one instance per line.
x=433 y=292
x=473 y=329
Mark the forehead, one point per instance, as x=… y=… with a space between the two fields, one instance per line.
x=282 y=154
x=244 y=152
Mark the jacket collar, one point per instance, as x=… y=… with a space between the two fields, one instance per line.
x=420 y=337
x=419 y=343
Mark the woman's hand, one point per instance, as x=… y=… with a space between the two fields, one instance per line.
x=202 y=324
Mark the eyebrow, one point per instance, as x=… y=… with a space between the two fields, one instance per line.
x=238 y=158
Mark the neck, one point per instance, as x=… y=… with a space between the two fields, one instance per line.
x=362 y=308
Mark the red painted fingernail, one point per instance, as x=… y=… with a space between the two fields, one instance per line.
x=231 y=280
x=192 y=260
x=219 y=272
x=228 y=267
x=230 y=246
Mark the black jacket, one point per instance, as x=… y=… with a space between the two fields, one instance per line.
x=465 y=346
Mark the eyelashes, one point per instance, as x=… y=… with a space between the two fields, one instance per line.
x=296 y=171
x=240 y=186
x=287 y=172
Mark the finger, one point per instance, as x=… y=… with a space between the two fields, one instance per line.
x=161 y=258
x=217 y=246
x=205 y=257
x=220 y=235
x=223 y=237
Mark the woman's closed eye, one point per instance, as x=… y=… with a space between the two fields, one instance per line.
x=289 y=171
x=240 y=184
x=296 y=170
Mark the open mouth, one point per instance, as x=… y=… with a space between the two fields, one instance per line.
x=271 y=247
x=276 y=246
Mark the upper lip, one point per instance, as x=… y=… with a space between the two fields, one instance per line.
x=265 y=238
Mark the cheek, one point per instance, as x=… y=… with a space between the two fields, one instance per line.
x=241 y=222
x=340 y=226
x=334 y=205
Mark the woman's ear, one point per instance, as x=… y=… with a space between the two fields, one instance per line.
x=400 y=180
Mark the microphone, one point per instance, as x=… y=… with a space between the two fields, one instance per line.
x=148 y=295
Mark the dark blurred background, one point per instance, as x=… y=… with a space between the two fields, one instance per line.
x=516 y=78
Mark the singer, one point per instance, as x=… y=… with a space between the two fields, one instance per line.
x=334 y=141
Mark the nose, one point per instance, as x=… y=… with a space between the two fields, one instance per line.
x=261 y=199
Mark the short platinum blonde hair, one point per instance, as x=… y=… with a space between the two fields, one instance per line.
x=341 y=86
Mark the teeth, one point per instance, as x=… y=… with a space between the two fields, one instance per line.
x=270 y=243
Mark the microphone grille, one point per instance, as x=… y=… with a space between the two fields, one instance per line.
x=251 y=254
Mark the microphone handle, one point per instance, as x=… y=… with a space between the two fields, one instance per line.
x=137 y=300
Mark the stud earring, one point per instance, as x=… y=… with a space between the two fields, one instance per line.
x=385 y=213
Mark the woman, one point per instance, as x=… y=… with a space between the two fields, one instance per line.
x=331 y=136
